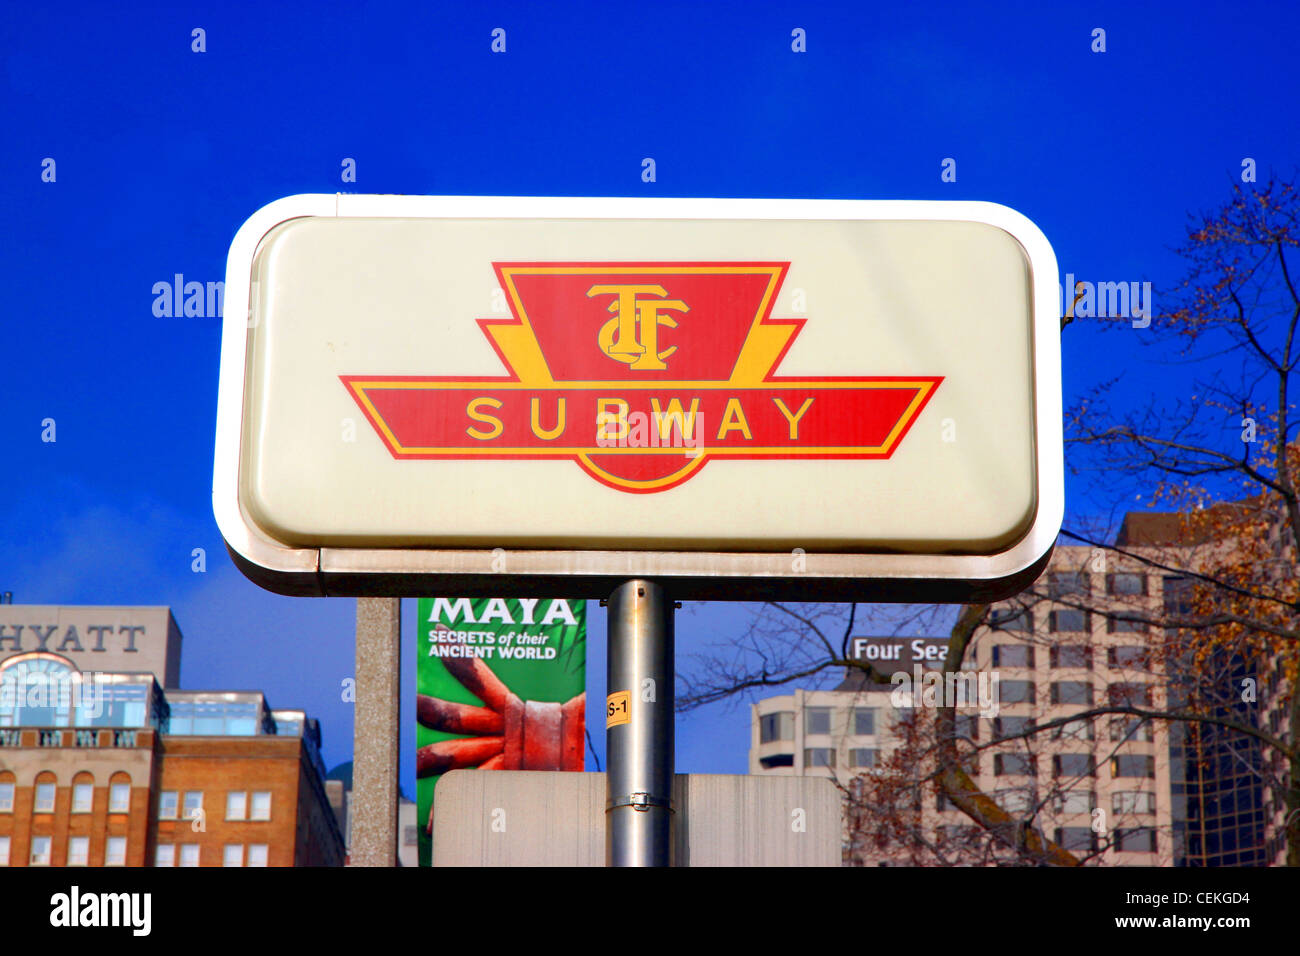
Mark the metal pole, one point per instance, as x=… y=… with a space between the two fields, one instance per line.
x=375 y=733
x=639 y=727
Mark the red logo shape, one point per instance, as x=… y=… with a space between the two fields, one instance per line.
x=641 y=372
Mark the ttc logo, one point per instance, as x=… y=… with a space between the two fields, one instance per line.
x=641 y=373
x=619 y=337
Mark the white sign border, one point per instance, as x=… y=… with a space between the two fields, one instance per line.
x=310 y=570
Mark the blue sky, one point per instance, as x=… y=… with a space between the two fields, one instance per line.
x=162 y=153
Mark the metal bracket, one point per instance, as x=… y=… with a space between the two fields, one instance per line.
x=639 y=801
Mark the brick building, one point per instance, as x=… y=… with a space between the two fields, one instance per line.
x=103 y=767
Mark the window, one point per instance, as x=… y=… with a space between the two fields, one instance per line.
x=1133 y=765
x=119 y=798
x=1011 y=619
x=165 y=855
x=1013 y=655
x=4 y=851
x=189 y=854
x=817 y=720
x=78 y=851
x=1063 y=583
x=44 y=798
x=6 y=798
x=1128 y=657
x=83 y=797
x=864 y=721
x=193 y=804
x=261 y=809
x=40 y=851
x=1134 y=585
x=1072 y=692
x=257 y=854
x=776 y=760
x=1013 y=765
x=1010 y=726
x=1178 y=596
x=237 y=805
x=233 y=855
x=115 y=852
x=1136 y=840
x=775 y=727
x=1074 y=730
x=1114 y=626
x=819 y=757
x=967 y=726
x=862 y=757
x=1068 y=621
x=1016 y=691
x=1072 y=765
x=1130 y=728
x=1071 y=655
x=1074 y=801
x=167 y=802
x=1017 y=800
x=1076 y=838
x=1129 y=695
x=1134 y=801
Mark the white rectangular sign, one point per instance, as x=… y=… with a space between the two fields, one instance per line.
x=745 y=397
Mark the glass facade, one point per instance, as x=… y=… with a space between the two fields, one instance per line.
x=211 y=714
x=1217 y=783
x=42 y=690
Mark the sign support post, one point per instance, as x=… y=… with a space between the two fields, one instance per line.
x=639 y=727
x=377 y=732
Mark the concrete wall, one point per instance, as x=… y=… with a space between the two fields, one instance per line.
x=534 y=818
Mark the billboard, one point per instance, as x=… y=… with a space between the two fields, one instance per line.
x=500 y=685
x=740 y=398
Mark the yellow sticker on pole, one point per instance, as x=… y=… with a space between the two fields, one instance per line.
x=618 y=709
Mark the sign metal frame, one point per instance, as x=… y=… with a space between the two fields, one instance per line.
x=701 y=575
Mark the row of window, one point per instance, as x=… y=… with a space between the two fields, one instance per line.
x=1074 y=839
x=78 y=851
x=1075 y=765
x=1127 y=840
x=780 y=726
x=1177 y=594
x=1063 y=621
x=1120 y=729
x=167 y=854
x=859 y=757
x=1021 y=800
x=1074 y=692
x=816 y=720
x=1119 y=583
x=83 y=795
x=239 y=806
x=232 y=854
x=1125 y=657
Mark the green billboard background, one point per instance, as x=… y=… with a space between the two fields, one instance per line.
x=555 y=672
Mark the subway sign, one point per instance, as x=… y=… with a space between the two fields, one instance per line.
x=742 y=398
